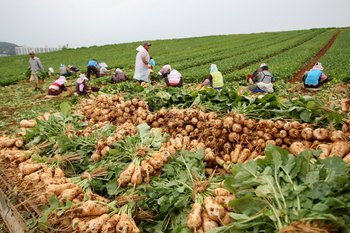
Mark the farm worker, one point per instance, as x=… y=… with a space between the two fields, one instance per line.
x=93 y=66
x=142 y=64
x=103 y=69
x=73 y=69
x=164 y=71
x=35 y=67
x=118 y=76
x=50 y=71
x=256 y=72
x=174 y=79
x=215 y=78
x=263 y=81
x=64 y=71
x=315 y=77
x=57 y=87
x=152 y=62
x=80 y=86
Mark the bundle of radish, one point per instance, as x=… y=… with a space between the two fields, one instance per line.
x=142 y=153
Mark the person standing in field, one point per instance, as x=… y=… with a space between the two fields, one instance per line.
x=142 y=65
x=93 y=66
x=315 y=77
x=35 y=67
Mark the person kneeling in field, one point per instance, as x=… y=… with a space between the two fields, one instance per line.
x=118 y=76
x=81 y=87
x=263 y=81
x=215 y=78
x=315 y=78
x=174 y=79
x=57 y=87
x=164 y=71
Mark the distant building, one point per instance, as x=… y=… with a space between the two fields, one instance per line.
x=25 y=50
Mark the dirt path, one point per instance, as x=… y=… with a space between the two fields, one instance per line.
x=298 y=76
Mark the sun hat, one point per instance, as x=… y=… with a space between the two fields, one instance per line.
x=318 y=66
x=147 y=43
x=81 y=78
x=61 y=80
x=31 y=52
x=263 y=64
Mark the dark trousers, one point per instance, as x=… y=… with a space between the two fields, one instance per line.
x=94 y=70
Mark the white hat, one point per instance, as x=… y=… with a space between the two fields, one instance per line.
x=81 y=78
x=263 y=64
x=61 y=80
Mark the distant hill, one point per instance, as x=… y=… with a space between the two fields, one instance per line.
x=7 y=49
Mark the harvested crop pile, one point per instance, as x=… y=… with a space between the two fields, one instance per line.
x=113 y=166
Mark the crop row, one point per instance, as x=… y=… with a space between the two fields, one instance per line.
x=336 y=60
x=285 y=64
x=232 y=64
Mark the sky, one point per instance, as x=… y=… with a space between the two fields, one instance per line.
x=85 y=23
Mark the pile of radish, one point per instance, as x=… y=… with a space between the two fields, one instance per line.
x=230 y=139
x=226 y=140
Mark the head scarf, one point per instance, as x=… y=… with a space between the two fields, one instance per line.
x=118 y=70
x=61 y=80
x=318 y=66
x=81 y=78
x=103 y=64
x=62 y=65
x=213 y=68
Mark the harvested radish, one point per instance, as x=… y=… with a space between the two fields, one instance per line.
x=91 y=208
x=296 y=148
x=194 y=220
x=326 y=150
x=321 y=134
x=215 y=211
x=236 y=153
x=340 y=148
x=208 y=223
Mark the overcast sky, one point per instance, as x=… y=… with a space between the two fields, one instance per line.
x=85 y=23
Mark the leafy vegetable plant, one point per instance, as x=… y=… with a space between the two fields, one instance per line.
x=281 y=190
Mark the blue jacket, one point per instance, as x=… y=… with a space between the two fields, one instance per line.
x=313 y=77
x=92 y=63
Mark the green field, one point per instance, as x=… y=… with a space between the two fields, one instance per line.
x=235 y=55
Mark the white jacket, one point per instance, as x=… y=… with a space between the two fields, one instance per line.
x=141 y=69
